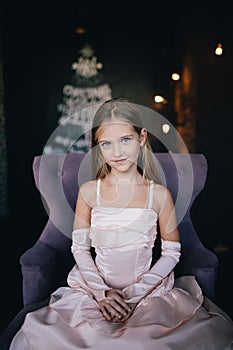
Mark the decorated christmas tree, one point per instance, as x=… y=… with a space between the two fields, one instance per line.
x=81 y=98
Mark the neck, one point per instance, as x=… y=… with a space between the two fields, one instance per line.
x=133 y=177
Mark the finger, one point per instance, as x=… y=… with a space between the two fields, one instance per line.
x=115 y=310
x=121 y=293
x=123 y=304
x=105 y=313
x=125 y=318
x=121 y=309
x=115 y=319
x=119 y=319
x=116 y=297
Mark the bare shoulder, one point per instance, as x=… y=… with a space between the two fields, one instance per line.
x=88 y=186
x=161 y=190
x=162 y=195
x=88 y=192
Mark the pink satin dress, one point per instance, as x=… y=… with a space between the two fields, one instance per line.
x=173 y=316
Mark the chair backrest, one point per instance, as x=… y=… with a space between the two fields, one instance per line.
x=58 y=177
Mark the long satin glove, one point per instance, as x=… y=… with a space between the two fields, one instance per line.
x=170 y=255
x=80 y=248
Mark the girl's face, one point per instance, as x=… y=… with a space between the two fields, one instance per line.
x=120 y=144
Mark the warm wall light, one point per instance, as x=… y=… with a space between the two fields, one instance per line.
x=165 y=128
x=80 y=30
x=175 y=76
x=160 y=99
x=81 y=26
x=219 y=50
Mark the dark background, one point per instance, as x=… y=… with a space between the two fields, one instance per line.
x=139 y=47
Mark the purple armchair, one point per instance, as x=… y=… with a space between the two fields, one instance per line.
x=58 y=176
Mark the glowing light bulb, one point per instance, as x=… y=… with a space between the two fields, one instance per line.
x=175 y=76
x=165 y=128
x=219 y=50
x=159 y=99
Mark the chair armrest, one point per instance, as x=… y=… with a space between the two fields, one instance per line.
x=206 y=277
x=205 y=268
x=203 y=264
x=201 y=257
x=39 y=266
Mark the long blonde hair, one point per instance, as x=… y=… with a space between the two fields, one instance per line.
x=126 y=111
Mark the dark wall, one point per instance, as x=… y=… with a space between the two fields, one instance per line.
x=139 y=48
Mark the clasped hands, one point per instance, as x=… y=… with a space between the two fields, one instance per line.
x=114 y=308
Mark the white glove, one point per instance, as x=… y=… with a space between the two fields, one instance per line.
x=170 y=255
x=80 y=248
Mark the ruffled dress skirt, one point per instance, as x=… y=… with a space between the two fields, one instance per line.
x=174 y=316
x=179 y=318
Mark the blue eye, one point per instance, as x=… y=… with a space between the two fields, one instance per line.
x=126 y=140
x=105 y=144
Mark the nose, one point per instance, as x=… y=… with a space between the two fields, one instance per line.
x=117 y=150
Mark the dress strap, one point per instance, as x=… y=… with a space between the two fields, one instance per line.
x=98 y=193
x=151 y=195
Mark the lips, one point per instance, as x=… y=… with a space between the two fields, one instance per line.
x=119 y=161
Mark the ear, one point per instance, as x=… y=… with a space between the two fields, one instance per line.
x=143 y=136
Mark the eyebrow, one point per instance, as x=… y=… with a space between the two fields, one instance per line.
x=122 y=137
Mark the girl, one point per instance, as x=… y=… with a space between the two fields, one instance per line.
x=118 y=300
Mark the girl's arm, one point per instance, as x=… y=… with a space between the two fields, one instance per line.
x=171 y=247
x=81 y=243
